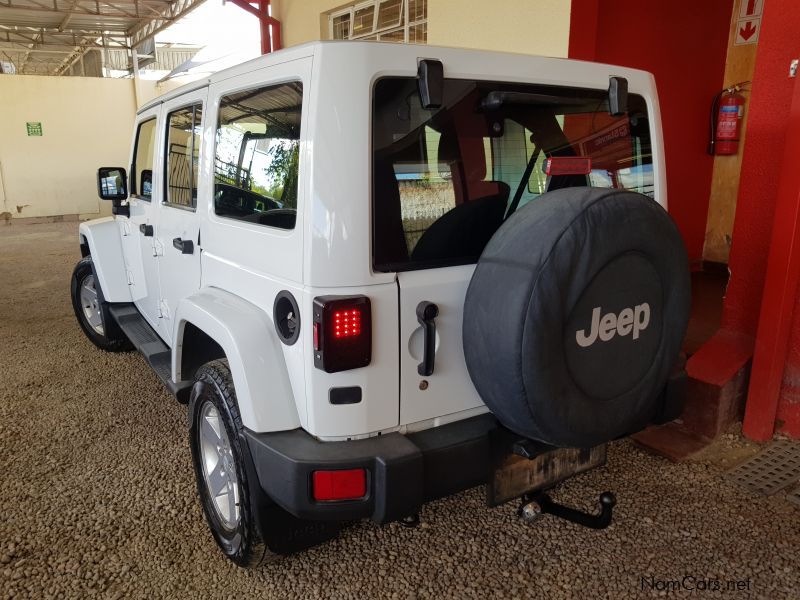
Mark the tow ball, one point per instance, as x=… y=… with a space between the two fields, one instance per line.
x=536 y=504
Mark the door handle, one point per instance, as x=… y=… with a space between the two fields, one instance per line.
x=185 y=246
x=426 y=315
x=146 y=230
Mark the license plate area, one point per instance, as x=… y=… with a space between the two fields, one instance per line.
x=514 y=475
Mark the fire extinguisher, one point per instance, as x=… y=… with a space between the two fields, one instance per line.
x=727 y=111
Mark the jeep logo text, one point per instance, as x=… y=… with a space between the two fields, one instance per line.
x=629 y=320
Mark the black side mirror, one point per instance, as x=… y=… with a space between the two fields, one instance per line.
x=112 y=183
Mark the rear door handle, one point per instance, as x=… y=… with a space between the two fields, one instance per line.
x=146 y=230
x=185 y=246
x=426 y=315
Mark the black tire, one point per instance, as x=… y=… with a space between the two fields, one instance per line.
x=242 y=543
x=570 y=260
x=110 y=338
x=264 y=531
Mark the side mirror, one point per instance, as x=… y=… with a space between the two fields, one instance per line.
x=112 y=183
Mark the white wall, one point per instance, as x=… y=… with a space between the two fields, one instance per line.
x=86 y=122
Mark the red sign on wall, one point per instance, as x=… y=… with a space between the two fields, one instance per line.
x=749 y=24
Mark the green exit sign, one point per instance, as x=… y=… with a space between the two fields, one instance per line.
x=34 y=129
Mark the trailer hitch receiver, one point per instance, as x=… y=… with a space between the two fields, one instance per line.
x=536 y=504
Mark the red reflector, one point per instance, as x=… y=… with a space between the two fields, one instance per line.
x=339 y=485
x=568 y=165
x=316 y=336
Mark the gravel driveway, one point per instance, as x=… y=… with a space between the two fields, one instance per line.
x=97 y=494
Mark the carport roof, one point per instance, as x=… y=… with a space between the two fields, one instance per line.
x=49 y=36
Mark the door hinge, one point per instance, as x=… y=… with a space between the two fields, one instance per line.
x=163 y=309
x=126 y=228
x=158 y=248
x=129 y=275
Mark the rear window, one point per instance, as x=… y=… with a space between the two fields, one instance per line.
x=444 y=180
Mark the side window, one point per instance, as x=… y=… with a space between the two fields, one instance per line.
x=257 y=155
x=183 y=153
x=142 y=168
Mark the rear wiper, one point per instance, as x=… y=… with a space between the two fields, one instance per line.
x=496 y=100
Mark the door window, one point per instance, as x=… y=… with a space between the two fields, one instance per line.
x=142 y=168
x=183 y=153
x=256 y=162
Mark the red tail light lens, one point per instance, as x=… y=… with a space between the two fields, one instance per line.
x=347 y=323
x=347 y=484
x=342 y=332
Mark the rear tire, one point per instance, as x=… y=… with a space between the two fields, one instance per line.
x=218 y=455
x=255 y=529
x=91 y=310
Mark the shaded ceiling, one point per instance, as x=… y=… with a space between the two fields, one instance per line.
x=52 y=37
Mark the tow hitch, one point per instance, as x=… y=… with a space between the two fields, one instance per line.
x=539 y=503
x=525 y=469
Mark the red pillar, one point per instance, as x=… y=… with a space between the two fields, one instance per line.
x=780 y=291
x=270 y=27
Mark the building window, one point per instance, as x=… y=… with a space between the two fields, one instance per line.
x=382 y=20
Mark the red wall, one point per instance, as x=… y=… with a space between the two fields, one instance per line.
x=684 y=44
x=763 y=293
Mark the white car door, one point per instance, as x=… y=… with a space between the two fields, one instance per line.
x=178 y=231
x=137 y=230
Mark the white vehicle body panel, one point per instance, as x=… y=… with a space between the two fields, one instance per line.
x=141 y=252
x=449 y=389
x=179 y=273
x=254 y=353
x=103 y=238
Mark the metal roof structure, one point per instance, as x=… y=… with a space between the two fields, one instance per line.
x=49 y=37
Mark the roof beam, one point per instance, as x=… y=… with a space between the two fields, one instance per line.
x=64 y=40
x=176 y=10
x=54 y=31
x=108 y=9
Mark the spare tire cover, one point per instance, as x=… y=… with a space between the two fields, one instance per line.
x=575 y=315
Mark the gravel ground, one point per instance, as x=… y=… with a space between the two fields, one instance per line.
x=97 y=494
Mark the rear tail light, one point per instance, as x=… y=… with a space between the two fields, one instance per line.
x=329 y=486
x=342 y=333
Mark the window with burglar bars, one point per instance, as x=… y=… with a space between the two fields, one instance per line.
x=382 y=20
x=183 y=152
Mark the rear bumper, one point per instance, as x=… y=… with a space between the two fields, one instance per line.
x=403 y=471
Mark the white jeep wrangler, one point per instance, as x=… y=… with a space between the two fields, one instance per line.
x=381 y=274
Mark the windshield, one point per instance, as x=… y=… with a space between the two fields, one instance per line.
x=445 y=179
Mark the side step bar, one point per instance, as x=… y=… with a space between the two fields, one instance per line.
x=152 y=347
